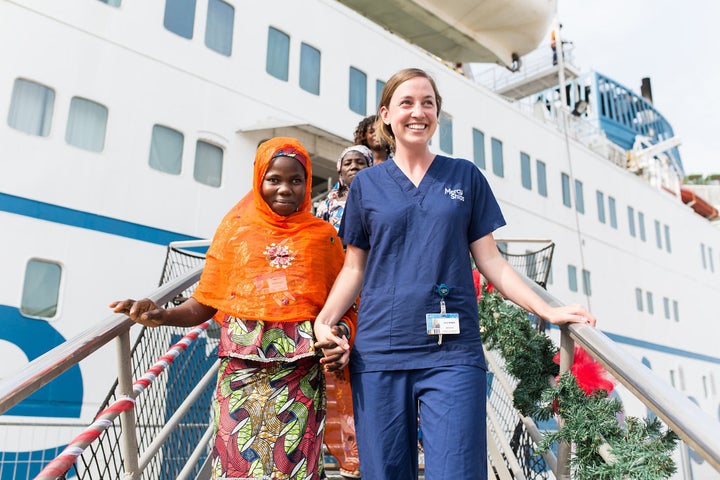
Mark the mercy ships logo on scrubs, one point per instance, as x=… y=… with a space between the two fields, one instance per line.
x=456 y=194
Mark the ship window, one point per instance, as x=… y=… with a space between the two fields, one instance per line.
x=666 y=307
x=310 y=69
x=612 y=211
x=358 y=91
x=87 y=123
x=572 y=278
x=166 y=150
x=41 y=289
x=710 y=259
x=541 y=171
x=641 y=226
x=208 y=164
x=478 y=139
x=672 y=378
x=379 y=87
x=703 y=256
x=587 y=286
x=658 y=235
x=565 y=180
x=112 y=3
x=579 y=197
x=668 y=247
x=600 y=196
x=180 y=17
x=639 y=299
x=676 y=311
x=650 y=305
x=278 y=54
x=446 y=133
x=631 y=220
x=31 y=107
x=497 y=157
x=525 y=174
x=219 y=27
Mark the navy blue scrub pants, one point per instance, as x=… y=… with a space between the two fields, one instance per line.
x=452 y=417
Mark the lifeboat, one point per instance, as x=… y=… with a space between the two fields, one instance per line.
x=464 y=31
x=698 y=204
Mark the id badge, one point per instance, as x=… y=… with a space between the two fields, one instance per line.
x=442 y=323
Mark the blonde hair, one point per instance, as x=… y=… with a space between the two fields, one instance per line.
x=383 y=131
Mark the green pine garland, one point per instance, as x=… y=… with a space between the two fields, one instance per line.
x=637 y=449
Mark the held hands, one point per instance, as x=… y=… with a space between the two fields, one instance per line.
x=334 y=344
x=570 y=314
x=144 y=312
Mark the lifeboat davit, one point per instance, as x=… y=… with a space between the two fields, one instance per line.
x=463 y=31
x=699 y=204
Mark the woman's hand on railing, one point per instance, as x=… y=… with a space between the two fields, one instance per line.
x=144 y=311
x=569 y=314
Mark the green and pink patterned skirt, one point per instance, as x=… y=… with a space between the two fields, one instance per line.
x=269 y=420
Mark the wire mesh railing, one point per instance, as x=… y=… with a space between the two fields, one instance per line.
x=103 y=459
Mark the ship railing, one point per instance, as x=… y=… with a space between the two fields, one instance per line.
x=508 y=455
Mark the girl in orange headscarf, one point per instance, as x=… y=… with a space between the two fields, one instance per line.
x=268 y=272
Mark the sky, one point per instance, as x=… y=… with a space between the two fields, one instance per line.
x=675 y=44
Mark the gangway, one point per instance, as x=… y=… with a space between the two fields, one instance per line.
x=124 y=452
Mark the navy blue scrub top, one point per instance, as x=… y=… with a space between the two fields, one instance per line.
x=417 y=238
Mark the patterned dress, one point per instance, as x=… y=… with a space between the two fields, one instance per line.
x=269 y=404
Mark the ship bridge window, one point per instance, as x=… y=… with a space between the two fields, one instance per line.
x=600 y=196
x=278 y=54
x=541 y=171
x=166 y=150
x=219 y=27
x=650 y=305
x=446 y=133
x=658 y=235
x=208 y=164
x=478 y=139
x=641 y=226
x=41 y=289
x=579 y=197
x=498 y=164
x=310 y=69
x=587 y=285
x=31 y=107
x=525 y=173
x=631 y=220
x=357 y=98
x=565 y=180
x=668 y=246
x=180 y=17
x=612 y=211
x=666 y=307
x=87 y=123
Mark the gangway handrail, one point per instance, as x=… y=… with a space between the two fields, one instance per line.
x=39 y=372
x=700 y=431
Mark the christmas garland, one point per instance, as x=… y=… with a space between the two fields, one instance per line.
x=606 y=446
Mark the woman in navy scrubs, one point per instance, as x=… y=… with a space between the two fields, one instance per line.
x=408 y=225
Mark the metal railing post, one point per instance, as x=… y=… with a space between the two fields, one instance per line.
x=127 y=417
x=567 y=354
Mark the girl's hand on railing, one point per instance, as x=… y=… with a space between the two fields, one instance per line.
x=570 y=314
x=144 y=311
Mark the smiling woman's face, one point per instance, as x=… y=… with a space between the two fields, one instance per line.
x=283 y=186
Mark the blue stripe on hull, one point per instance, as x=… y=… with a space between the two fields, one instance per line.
x=89 y=221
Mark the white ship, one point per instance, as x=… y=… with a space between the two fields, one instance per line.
x=129 y=124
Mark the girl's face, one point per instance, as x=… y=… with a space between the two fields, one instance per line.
x=351 y=164
x=412 y=112
x=283 y=186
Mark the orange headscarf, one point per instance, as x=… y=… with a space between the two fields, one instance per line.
x=265 y=266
